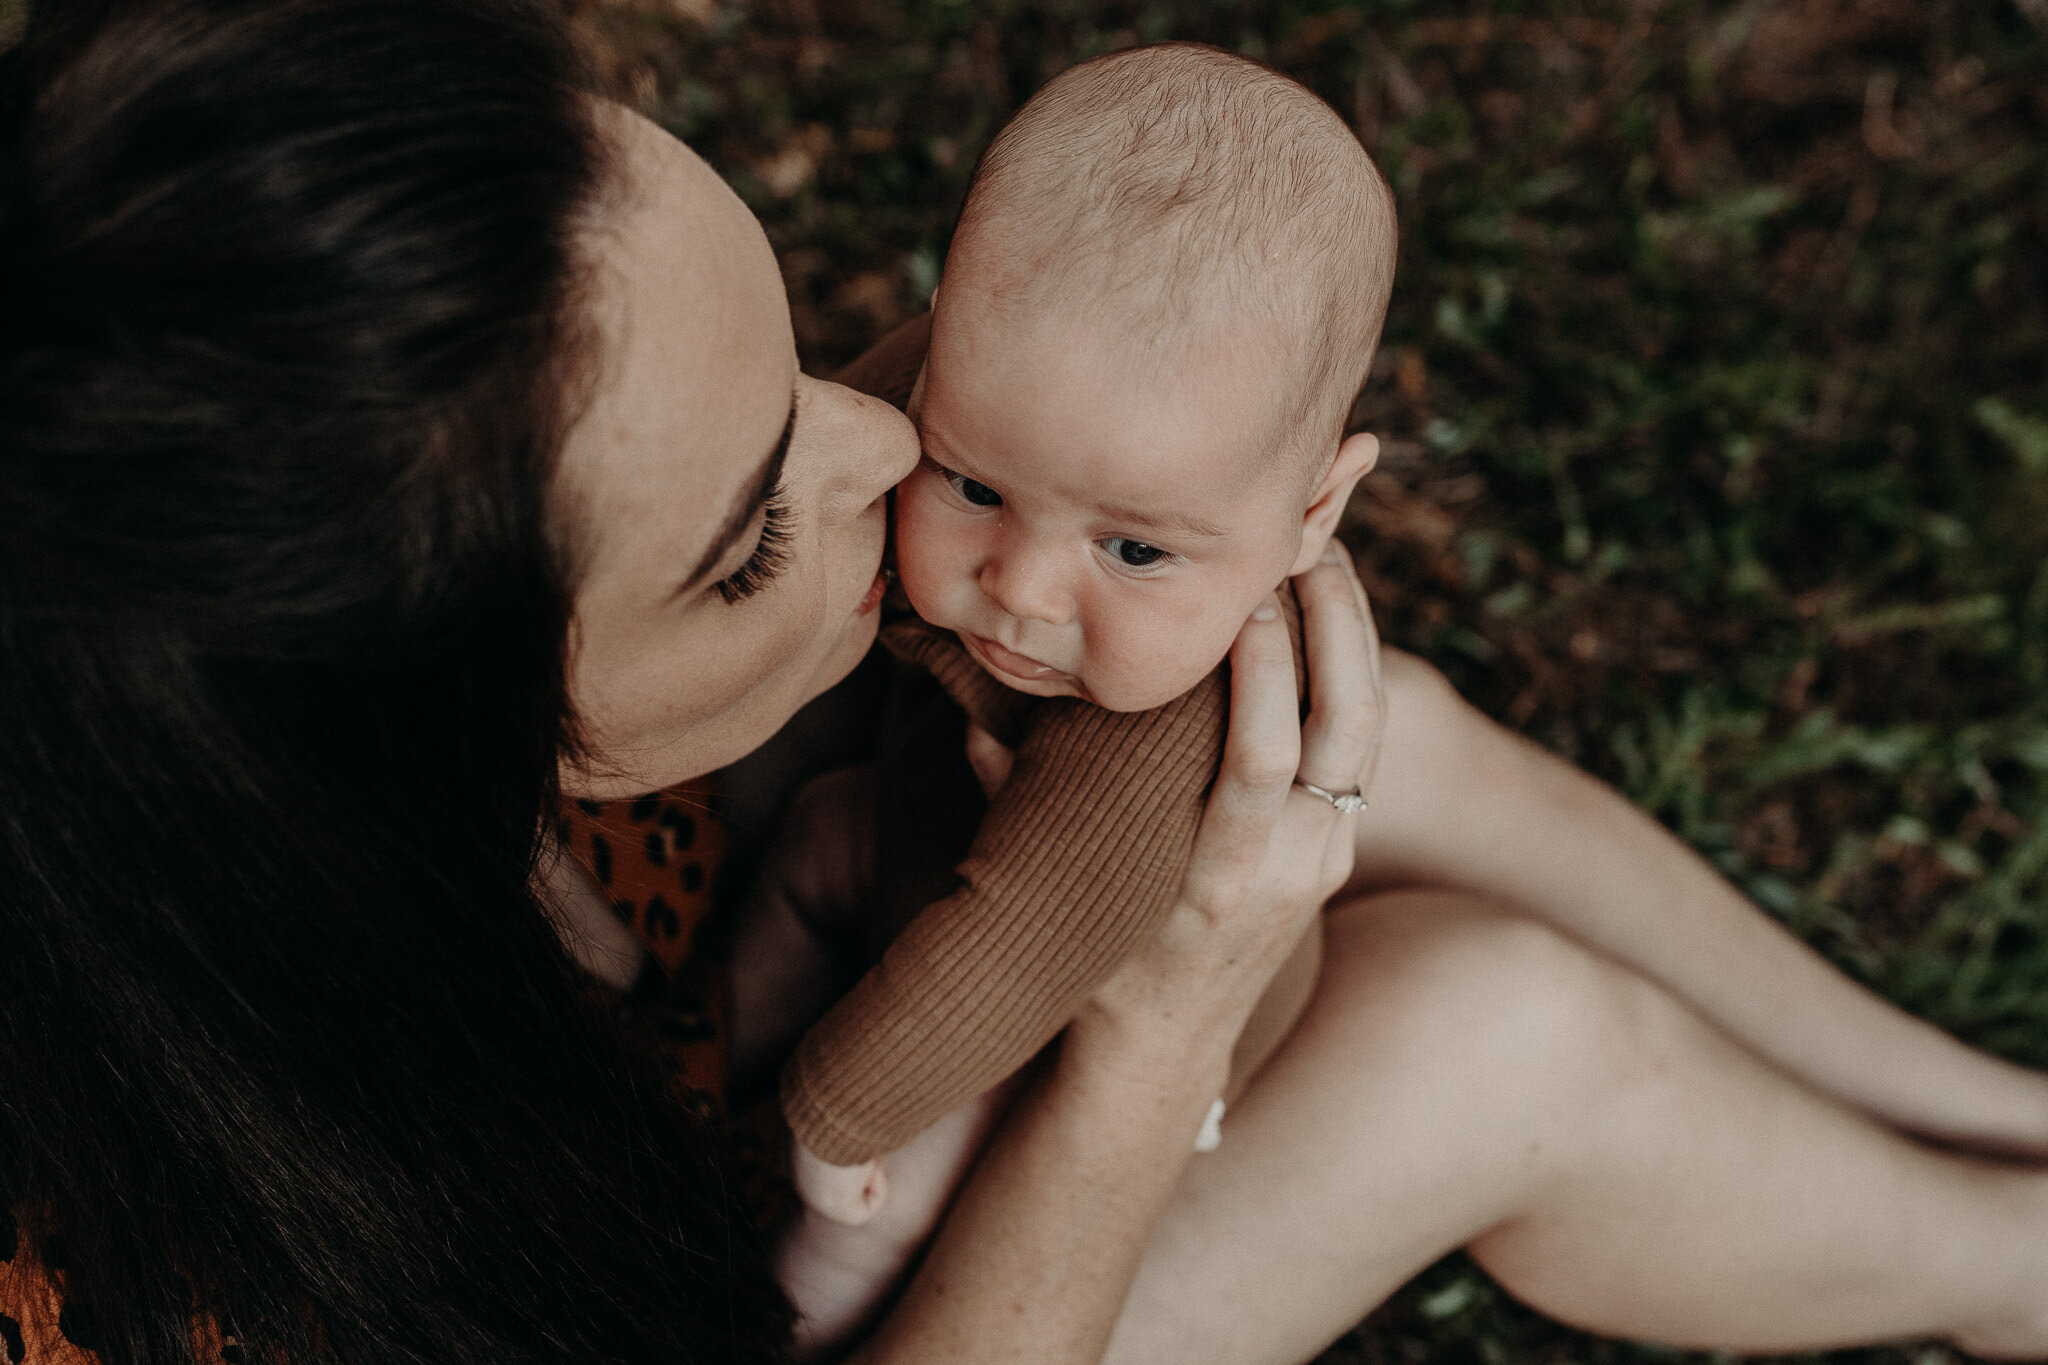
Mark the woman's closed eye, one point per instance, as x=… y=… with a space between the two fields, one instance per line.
x=771 y=552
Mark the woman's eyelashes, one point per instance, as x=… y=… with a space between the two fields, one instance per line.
x=771 y=552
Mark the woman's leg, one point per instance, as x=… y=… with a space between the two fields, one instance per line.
x=1465 y=1076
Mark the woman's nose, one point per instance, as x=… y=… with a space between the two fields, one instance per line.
x=1026 y=583
x=871 y=446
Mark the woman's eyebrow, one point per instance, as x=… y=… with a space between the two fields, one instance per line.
x=751 y=497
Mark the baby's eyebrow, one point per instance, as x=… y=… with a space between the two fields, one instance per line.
x=1172 y=523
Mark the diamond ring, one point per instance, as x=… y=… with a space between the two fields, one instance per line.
x=1347 y=803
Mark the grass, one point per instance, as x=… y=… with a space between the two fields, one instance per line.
x=1714 y=400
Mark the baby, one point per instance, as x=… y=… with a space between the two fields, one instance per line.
x=1161 y=299
x=1160 y=302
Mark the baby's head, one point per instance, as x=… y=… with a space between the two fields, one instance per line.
x=1160 y=302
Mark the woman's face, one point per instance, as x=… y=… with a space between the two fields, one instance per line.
x=725 y=511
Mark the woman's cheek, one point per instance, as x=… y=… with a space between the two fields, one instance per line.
x=794 y=610
x=759 y=644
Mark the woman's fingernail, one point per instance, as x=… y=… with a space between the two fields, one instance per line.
x=1266 y=611
x=1331 y=554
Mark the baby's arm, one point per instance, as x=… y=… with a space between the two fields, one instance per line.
x=1461 y=801
x=1065 y=874
x=836 y=1271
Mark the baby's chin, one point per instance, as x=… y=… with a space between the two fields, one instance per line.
x=1110 y=693
x=1021 y=674
x=1143 y=694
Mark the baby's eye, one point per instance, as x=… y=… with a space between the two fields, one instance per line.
x=979 y=494
x=1134 y=553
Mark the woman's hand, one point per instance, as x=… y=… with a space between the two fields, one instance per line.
x=1063 y=1203
x=1269 y=853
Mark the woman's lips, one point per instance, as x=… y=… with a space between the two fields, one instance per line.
x=1009 y=662
x=873 y=597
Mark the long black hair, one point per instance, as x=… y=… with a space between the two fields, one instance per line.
x=287 y=345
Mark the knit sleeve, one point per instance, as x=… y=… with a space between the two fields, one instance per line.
x=1081 y=853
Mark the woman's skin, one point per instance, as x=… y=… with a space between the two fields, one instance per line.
x=1464 y=1076
x=696 y=384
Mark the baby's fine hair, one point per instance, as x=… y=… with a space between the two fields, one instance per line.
x=1175 y=184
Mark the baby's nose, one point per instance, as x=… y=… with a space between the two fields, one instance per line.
x=1027 y=587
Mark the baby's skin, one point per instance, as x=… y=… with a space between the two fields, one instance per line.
x=1132 y=429
x=1097 y=525
x=1089 y=527
x=1161 y=298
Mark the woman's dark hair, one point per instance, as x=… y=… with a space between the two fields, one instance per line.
x=287 y=291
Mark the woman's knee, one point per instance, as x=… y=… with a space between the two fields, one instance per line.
x=1494 y=993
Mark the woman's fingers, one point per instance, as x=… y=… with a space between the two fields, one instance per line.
x=1267 y=855
x=1268 y=748
x=1341 y=739
x=1260 y=756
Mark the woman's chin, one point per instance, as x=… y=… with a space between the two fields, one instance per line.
x=860 y=637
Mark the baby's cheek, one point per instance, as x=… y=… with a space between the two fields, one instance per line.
x=930 y=557
x=1146 y=659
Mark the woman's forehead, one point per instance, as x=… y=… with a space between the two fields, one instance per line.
x=694 y=359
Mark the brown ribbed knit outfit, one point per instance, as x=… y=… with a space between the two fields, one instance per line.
x=1080 y=855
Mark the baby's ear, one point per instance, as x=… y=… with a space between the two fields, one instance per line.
x=1355 y=458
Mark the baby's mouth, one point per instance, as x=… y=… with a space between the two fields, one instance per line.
x=1010 y=663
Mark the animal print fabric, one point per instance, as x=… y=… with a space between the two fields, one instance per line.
x=657 y=857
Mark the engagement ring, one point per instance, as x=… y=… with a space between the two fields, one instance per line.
x=1347 y=803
